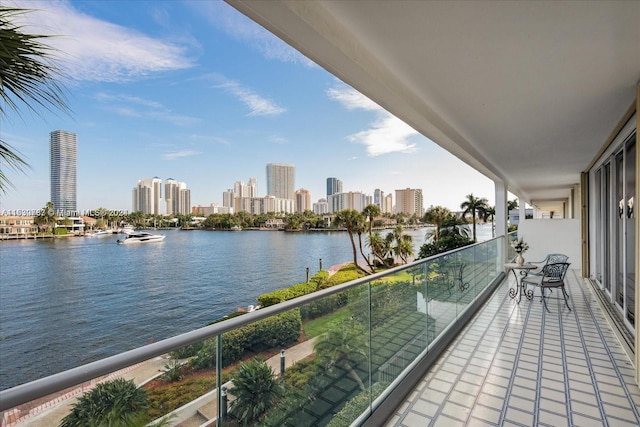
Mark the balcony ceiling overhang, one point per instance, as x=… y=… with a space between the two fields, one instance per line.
x=524 y=92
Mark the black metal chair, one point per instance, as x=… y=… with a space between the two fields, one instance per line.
x=552 y=276
x=549 y=259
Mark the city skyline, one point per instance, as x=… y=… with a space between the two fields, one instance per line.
x=171 y=89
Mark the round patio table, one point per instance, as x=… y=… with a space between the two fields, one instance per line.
x=520 y=288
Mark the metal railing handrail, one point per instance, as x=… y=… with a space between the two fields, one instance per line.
x=27 y=392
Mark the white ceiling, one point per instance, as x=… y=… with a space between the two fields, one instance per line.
x=526 y=92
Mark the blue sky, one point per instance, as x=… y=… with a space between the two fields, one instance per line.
x=195 y=91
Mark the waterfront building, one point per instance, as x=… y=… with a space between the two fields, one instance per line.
x=177 y=197
x=63 y=159
x=281 y=180
x=17 y=227
x=228 y=197
x=334 y=186
x=146 y=196
x=409 y=201
x=263 y=205
x=350 y=200
x=302 y=200
x=321 y=207
x=213 y=208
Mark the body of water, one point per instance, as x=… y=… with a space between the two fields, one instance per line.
x=69 y=301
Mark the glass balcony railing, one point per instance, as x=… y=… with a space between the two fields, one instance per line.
x=327 y=358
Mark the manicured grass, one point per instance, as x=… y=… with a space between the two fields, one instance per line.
x=319 y=326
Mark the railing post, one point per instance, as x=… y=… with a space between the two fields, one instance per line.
x=223 y=403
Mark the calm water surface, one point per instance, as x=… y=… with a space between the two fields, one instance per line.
x=70 y=301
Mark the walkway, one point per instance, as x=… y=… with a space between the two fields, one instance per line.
x=518 y=365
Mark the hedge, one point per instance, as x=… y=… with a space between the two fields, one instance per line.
x=272 y=332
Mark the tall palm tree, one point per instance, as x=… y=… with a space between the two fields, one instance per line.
x=27 y=78
x=436 y=215
x=349 y=219
x=371 y=211
x=512 y=204
x=490 y=215
x=477 y=207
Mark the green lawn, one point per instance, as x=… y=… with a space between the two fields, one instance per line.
x=319 y=326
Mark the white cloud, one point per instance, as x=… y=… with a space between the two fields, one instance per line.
x=95 y=50
x=387 y=134
x=178 y=154
x=229 y=20
x=258 y=105
x=133 y=106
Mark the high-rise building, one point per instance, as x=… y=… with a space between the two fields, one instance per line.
x=250 y=189
x=334 y=186
x=303 y=200
x=351 y=200
x=63 y=156
x=387 y=204
x=227 y=198
x=378 y=198
x=409 y=201
x=177 y=197
x=147 y=195
x=281 y=180
x=321 y=207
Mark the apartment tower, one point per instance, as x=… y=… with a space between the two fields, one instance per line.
x=281 y=180
x=334 y=186
x=409 y=201
x=63 y=156
x=146 y=196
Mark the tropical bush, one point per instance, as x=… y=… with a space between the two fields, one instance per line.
x=113 y=403
x=256 y=391
x=355 y=407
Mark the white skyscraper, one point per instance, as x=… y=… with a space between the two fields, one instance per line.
x=63 y=156
x=147 y=195
x=281 y=180
x=177 y=197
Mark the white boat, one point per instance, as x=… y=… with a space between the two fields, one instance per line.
x=127 y=229
x=102 y=233
x=141 y=237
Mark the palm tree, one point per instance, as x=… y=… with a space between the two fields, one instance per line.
x=47 y=216
x=403 y=247
x=436 y=215
x=380 y=248
x=476 y=207
x=27 y=76
x=349 y=219
x=371 y=211
x=343 y=345
x=490 y=215
x=512 y=204
x=256 y=390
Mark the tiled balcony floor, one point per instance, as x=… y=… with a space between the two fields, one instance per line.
x=518 y=365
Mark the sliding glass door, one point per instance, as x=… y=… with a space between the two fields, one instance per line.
x=615 y=231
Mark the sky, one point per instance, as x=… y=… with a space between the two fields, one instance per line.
x=197 y=92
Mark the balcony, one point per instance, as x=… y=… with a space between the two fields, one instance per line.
x=413 y=352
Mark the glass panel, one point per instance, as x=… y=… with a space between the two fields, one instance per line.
x=606 y=228
x=620 y=215
x=630 y=238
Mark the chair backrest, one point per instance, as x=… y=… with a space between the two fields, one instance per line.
x=554 y=273
x=554 y=258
